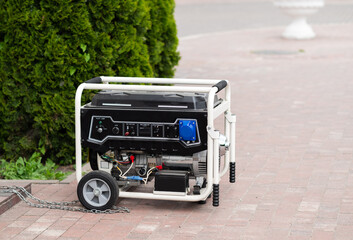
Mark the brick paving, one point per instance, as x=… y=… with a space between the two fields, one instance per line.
x=293 y=101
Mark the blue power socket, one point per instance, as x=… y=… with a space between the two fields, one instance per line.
x=187 y=130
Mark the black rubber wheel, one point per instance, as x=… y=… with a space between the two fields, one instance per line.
x=98 y=190
x=92 y=157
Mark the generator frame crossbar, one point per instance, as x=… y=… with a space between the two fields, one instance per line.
x=213 y=160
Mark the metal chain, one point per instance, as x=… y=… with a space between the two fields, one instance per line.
x=56 y=205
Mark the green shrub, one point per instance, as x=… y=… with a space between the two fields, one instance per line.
x=31 y=168
x=161 y=40
x=49 y=47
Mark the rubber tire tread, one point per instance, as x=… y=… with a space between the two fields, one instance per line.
x=105 y=177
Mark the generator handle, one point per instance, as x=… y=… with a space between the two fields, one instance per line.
x=109 y=79
x=220 y=85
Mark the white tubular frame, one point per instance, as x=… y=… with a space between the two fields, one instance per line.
x=213 y=171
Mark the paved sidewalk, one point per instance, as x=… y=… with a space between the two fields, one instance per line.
x=206 y=16
x=293 y=101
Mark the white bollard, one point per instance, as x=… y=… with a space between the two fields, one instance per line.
x=299 y=10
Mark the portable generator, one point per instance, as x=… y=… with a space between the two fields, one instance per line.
x=158 y=135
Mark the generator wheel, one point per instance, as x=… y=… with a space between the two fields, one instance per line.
x=93 y=159
x=98 y=190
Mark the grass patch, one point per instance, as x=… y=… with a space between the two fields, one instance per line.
x=31 y=168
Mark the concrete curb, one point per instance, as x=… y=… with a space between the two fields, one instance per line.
x=27 y=181
x=8 y=200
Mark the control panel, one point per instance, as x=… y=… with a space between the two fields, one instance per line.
x=104 y=127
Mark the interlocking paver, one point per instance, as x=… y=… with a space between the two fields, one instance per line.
x=293 y=101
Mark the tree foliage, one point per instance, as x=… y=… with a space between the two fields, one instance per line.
x=49 y=47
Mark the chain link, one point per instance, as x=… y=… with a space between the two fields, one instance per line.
x=67 y=206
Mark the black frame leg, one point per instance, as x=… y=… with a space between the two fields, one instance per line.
x=215 y=195
x=232 y=172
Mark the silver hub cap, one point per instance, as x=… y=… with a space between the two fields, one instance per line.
x=96 y=192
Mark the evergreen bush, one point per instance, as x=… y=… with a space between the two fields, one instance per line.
x=161 y=41
x=49 y=47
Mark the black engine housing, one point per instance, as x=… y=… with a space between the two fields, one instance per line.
x=148 y=122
